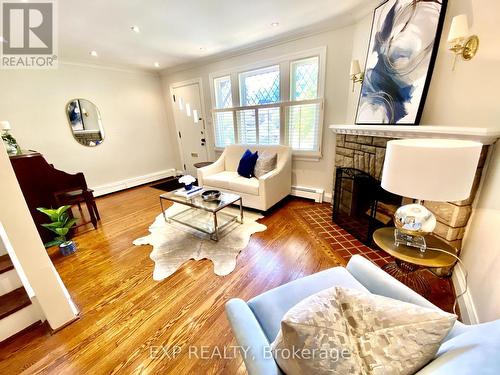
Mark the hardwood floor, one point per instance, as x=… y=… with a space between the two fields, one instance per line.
x=125 y=314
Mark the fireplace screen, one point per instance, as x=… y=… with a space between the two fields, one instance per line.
x=360 y=205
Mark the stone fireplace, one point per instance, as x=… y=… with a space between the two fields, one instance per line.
x=362 y=147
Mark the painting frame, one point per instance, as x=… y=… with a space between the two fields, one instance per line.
x=428 y=72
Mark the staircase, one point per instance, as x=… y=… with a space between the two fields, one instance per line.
x=17 y=312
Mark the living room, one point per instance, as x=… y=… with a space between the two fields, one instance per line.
x=180 y=280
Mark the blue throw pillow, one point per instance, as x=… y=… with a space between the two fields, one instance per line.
x=247 y=164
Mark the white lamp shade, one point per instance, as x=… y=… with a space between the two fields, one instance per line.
x=459 y=28
x=355 y=68
x=5 y=125
x=431 y=169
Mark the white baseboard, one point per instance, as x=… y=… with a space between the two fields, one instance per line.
x=310 y=193
x=466 y=304
x=131 y=182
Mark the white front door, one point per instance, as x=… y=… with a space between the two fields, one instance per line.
x=190 y=124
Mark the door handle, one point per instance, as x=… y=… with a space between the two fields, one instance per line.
x=203 y=140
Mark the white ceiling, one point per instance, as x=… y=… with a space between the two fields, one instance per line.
x=173 y=32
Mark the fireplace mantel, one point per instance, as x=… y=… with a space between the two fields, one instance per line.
x=486 y=136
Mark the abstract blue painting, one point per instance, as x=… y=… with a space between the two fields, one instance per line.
x=403 y=45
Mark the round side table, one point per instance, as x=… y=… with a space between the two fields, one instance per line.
x=410 y=260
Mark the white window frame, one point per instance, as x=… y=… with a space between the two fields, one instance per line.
x=284 y=62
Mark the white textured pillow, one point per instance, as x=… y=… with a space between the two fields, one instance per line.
x=265 y=163
x=345 y=331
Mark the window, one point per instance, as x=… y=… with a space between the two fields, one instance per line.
x=223 y=96
x=304 y=119
x=247 y=128
x=259 y=125
x=304 y=79
x=261 y=86
x=263 y=117
x=224 y=129
x=269 y=126
x=303 y=127
x=224 y=125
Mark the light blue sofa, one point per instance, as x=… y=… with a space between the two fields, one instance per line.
x=466 y=350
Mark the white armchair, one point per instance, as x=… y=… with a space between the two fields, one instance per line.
x=259 y=193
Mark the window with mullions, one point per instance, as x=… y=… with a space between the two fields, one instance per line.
x=263 y=117
x=304 y=79
x=304 y=119
x=260 y=86
x=223 y=95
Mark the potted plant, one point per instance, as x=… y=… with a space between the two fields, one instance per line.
x=60 y=225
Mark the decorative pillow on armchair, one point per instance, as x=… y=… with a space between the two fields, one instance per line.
x=247 y=164
x=266 y=162
x=345 y=331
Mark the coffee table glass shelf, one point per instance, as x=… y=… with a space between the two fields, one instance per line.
x=204 y=216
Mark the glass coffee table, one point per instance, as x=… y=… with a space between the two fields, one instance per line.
x=205 y=216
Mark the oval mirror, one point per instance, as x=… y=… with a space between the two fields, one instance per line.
x=85 y=121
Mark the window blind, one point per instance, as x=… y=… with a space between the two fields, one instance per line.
x=224 y=128
x=247 y=126
x=304 y=126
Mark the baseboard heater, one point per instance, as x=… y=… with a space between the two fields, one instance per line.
x=310 y=193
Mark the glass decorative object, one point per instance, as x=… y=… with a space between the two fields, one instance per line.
x=10 y=142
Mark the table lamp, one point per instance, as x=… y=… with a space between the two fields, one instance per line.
x=439 y=170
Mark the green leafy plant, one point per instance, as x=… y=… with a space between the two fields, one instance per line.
x=60 y=226
x=11 y=142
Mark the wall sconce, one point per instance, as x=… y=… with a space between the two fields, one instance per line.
x=356 y=74
x=461 y=43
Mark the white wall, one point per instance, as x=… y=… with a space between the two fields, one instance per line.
x=137 y=141
x=467 y=96
x=481 y=249
x=361 y=38
x=316 y=174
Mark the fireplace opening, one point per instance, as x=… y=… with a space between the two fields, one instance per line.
x=360 y=205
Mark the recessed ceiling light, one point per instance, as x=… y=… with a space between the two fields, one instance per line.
x=275 y=24
x=157 y=64
x=135 y=29
x=93 y=53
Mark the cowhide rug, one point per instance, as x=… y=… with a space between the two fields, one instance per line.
x=174 y=244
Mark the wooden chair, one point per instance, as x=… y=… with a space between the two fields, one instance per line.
x=77 y=197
